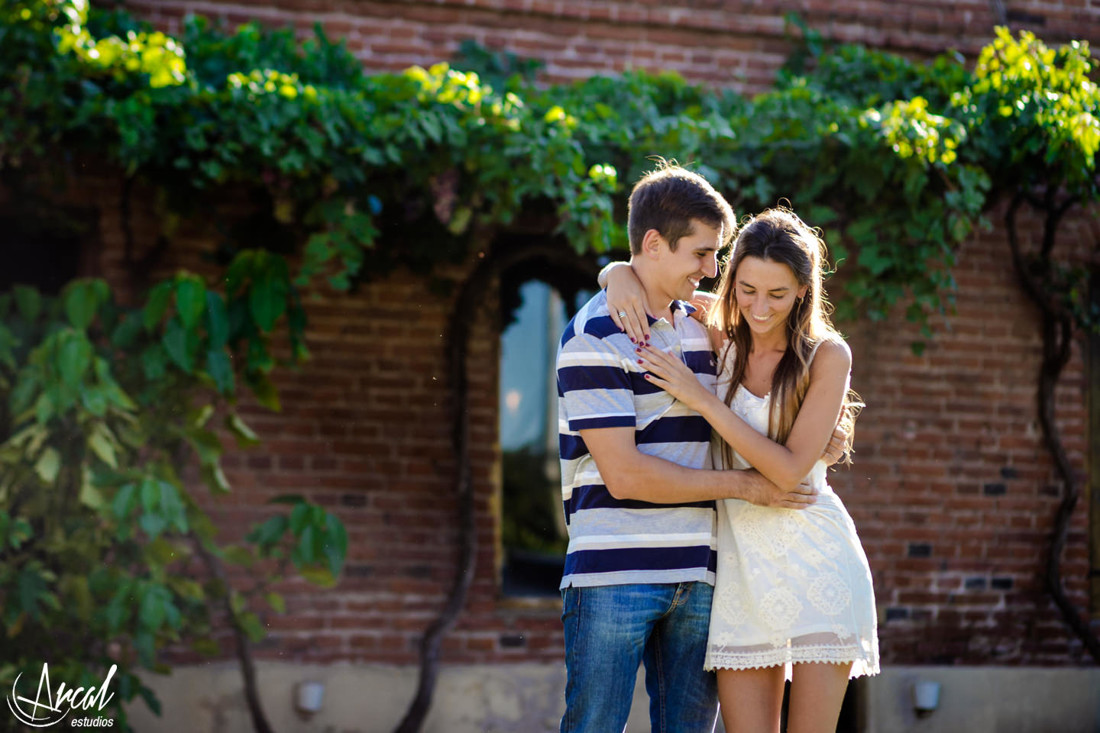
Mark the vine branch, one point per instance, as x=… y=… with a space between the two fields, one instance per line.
x=460 y=326
x=241 y=642
x=1057 y=332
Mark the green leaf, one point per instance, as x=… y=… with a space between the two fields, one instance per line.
x=220 y=369
x=250 y=624
x=180 y=344
x=186 y=588
x=267 y=298
x=25 y=392
x=145 y=644
x=152 y=607
x=77 y=597
x=124 y=501
x=154 y=362
x=48 y=465
x=217 y=320
x=277 y=602
x=320 y=576
x=207 y=445
x=214 y=478
x=270 y=532
x=287 y=499
x=90 y=496
x=8 y=342
x=118 y=610
x=236 y=602
x=126 y=332
x=44 y=408
x=245 y=436
x=172 y=616
x=305 y=553
x=159 y=298
x=102 y=443
x=336 y=543
x=32 y=589
x=94 y=400
x=201 y=417
x=19 y=532
x=264 y=391
x=150 y=697
x=171 y=506
x=238 y=555
x=74 y=358
x=260 y=360
x=160 y=553
x=152 y=524
x=82 y=299
x=28 y=301
x=190 y=300
x=150 y=494
x=300 y=517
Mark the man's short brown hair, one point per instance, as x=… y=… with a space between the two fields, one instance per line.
x=668 y=199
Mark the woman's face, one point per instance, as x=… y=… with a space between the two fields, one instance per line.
x=766 y=292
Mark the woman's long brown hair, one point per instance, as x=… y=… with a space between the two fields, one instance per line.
x=778 y=235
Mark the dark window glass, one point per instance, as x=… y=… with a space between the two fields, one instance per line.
x=533 y=525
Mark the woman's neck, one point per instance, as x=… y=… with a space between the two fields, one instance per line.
x=767 y=344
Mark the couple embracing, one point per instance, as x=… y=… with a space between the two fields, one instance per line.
x=704 y=540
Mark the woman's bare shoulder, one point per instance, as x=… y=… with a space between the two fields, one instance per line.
x=832 y=353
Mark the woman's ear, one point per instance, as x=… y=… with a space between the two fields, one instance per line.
x=802 y=291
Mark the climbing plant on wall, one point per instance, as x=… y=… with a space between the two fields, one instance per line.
x=897 y=161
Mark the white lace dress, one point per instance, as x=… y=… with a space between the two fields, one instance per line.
x=792 y=585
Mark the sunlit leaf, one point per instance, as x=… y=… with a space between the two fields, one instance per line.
x=48 y=465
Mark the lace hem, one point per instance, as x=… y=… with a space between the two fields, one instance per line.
x=862 y=662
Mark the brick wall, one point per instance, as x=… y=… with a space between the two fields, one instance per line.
x=735 y=44
x=951 y=490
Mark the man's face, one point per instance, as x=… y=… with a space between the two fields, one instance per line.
x=695 y=258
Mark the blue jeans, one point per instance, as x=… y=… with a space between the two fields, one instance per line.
x=611 y=629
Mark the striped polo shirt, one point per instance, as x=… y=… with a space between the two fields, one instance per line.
x=601 y=385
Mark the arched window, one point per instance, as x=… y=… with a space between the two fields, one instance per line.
x=533 y=535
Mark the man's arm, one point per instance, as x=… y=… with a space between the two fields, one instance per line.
x=630 y=474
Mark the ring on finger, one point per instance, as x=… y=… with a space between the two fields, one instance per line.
x=622 y=314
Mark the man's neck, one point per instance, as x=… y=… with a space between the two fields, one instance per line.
x=657 y=303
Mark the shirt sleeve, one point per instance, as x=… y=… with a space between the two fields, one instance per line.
x=594 y=384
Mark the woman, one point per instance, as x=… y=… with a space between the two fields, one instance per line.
x=793 y=597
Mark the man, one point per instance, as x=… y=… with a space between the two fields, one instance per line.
x=636 y=480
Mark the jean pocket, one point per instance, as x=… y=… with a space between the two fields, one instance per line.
x=570 y=599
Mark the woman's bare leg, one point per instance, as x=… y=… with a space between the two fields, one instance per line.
x=817 y=692
x=751 y=699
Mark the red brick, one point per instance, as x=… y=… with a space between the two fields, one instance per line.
x=937 y=429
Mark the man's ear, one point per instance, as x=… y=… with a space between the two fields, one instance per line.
x=651 y=243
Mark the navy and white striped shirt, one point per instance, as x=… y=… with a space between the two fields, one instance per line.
x=601 y=385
